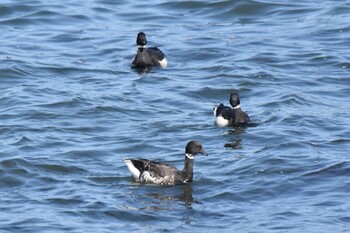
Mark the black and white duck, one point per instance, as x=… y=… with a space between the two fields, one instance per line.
x=146 y=171
x=147 y=57
x=227 y=116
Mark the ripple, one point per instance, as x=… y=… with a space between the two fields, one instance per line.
x=339 y=169
x=60 y=168
x=9 y=181
x=72 y=108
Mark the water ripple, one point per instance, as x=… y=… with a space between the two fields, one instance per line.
x=72 y=109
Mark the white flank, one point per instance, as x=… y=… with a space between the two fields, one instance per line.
x=221 y=122
x=148 y=178
x=163 y=63
x=134 y=171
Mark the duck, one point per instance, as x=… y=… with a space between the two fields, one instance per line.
x=227 y=116
x=159 y=173
x=147 y=57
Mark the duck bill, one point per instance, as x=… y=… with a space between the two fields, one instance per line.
x=203 y=152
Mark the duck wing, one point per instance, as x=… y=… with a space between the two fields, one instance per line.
x=246 y=117
x=158 y=169
x=241 y=117
x=144 y=170
x=156 y=55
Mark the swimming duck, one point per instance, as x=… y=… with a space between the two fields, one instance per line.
x=147 y=57
x=227 y=116
x=153 y=172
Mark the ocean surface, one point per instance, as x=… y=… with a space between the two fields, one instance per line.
x=71 y=109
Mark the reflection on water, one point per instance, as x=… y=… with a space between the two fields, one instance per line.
x=152 y=197
x=236 y=130
x=236 y=141
x=181 y=193
x=186 y=195
x=144 y=70
x=234 y=144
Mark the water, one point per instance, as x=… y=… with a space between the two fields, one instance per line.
x=72 y=109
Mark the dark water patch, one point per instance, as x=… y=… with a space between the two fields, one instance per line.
x=14 y=172
x=339 y=169
x=16 y=73
x=13 y=163
x=20 y=142
x=340 y=141
x=30 y=224
x=10 y=181
x=75 y=102
x=100 y=179
x=69 y=201
x=223 y=10
x=30 y=14
x=60 y=169
x=6 y=11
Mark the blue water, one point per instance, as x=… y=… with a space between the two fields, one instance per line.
x=72 y=109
